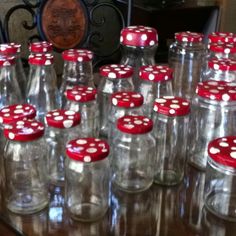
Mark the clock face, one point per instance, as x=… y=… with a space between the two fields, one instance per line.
x=64 y=22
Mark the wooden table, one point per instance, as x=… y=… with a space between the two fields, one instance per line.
x=159 y=211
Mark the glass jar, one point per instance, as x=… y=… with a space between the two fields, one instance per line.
x=186 y=58
x=133 y=150
x=62 y=126
x=222 y=37
x=87 y=178
x=213 y=115
x=42 y=89
x=41 y=47
x=221 y=50
x=171 y=118
x=115 y=78
x=83 y=99
x=25 y=172
x=154 y=81
x=220 y=190
x=139 y=44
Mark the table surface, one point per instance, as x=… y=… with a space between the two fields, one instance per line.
x=159 y=211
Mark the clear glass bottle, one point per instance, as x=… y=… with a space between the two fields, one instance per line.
x=139 y=44
x=42 y=91
x=41 y=47
x=24 y=163
x=87 y=178
x=62 y=126
x=222 y=37
x=171 y=118
x=212 y=115
x=154 y=81
x=78 y=70
x=115 y=78
x=187 y=57
x=83 y=99
x=133 y=150
x=220 y=189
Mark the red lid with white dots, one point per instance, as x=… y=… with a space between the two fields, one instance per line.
x=114 y=71
x=81 y=94
x=7 y=61
x=156 y=73
x=87 y=149
x=10 y=48
x=41 y=59
x=217 y=90
x=140 y=36
x=24 y=130
x=127 y=99
x=190 y=37
x=77 y=55
x=226 y=48
x=172 y=106
x=223 y=151
x=223 y=64
x=134 y=124
x=16 y=112
x=62 y=119
x=40 y=47
x=227 y=37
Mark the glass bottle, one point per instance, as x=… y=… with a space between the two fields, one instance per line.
x=114 y=78
x=41 y=47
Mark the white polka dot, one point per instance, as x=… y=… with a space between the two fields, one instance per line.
x=80 y=59
x=58 y=118
x=136 y=95
x=185 y=103
x=172 y=111
x=175 y=101
x=174 y=106
x=216 y=66
x=212 y=83
x=233 y=148
x=168 y=97
x=67 y=123
x=5 y=110
x=138 y=122
x=92 y=144
x=155 y=108
x=214 y=150
x=114 y=101
x=225 y=97
x=34 y=124
x=112 y=75
x=127 y=119
x=1 y=120
x=56 y=113
x=87 y=159
x=81 y=141
x=77 y=97
x=132 y=104
x=104 y=150
x=227 y=50
x=146 y=119
x=48 y=62
x=152 y=42
x=144 y=37
x=214 y=91
x=129 y=126
x=151 y=77
x=11 y=136
x=121 y=39
x=233 y=155
x=20 y=122
x=19 y=111
x=129 y=37
x=224 y=144
x=160 y=100
x=91 y=150
x=69 y=112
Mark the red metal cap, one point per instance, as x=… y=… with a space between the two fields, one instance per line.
x=16 y=112
x=81 y=94
x=191 y=37
x=222 y=47
x=10 y=48
x=156 y=73
x=140 y=36
x=77 y=55
x=7 y=61
x=223 y=64
x=224 y=37
x=217 y=90
x=134 y=124
x=62 y=118
x=40 y=47
x=87 y=149
x=223 y=151
x=172 y=106
x=41 y=59
x=116 y=71
x=24 y=130
x=127 y=99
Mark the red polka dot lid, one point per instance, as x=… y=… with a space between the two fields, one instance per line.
x=227 y=37
x=226 y=48
x=171 y=106
x=41 y=59
x=87 y=149
x=134 y=124
x=81 y=94
x=156 y=73
x=217 y=90
x=223 y=64
x=190 y=37
x=127 y=99
x=62 y=119
x=10 y=48
x=24 y=130
x=223 y=151
x=40 y=47
x=140 y=36
x=16 y=112
x=7 y=61
x=77 y=55
x=114 y=71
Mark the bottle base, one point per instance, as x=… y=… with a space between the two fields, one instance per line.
x=168 y=178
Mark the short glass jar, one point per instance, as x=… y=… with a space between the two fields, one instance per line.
x=83 y=99
x=41 y=47
x=171 y=118
x=62 y=126
x=133 y=150
x=220 y=189
x=87 y=178
x=213 y=113
x=24 y=164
